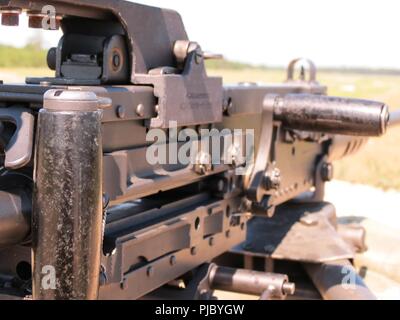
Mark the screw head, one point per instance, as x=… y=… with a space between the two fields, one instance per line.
x=116 y=60
x=289 y=288
x=203 y=163
x=273 y=179
x=140 y=110
x=121 y=112
x=235 y=155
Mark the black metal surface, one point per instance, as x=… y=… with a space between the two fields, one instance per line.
x=20 y=97
x=338 y=280
x=151 y=32
x=330 y=114
x=157 y=240
x=298 y=232
x=67 y=212
x=15 y=217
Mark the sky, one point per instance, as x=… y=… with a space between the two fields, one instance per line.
x=333 y=33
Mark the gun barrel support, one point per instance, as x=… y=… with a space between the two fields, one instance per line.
x=334 y=115
x=67 y=209
x=338 y=280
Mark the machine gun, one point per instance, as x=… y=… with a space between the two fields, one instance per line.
x=82 y=204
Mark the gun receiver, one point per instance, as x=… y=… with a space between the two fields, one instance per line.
x=113 y=225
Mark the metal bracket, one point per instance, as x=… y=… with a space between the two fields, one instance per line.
x=304 y=232
x=19 y=149
x=255 y=190
x=195 y=99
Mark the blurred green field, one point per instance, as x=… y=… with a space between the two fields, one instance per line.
x=31 y=55
x=379 y=162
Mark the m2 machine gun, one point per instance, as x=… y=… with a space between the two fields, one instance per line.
x=89 y=211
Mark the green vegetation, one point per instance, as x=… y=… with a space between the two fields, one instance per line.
x=230 y=65
x=29 y=56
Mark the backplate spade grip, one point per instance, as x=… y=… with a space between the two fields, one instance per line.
x=19 y=149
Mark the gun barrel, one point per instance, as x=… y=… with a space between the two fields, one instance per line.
x=334 y=115
x=330 y=280
x=394 y=118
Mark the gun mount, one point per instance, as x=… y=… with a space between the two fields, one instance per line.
x=113 y=225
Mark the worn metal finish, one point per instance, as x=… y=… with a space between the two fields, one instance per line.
x=67 y=211
x=338 y=280
x=330 y=114
x=136 y=263
x=97 y=54
x=266 y=285
x=163 y=221
x=344 y=146
x=146 y=52
x=298 y=232
x=257 y=178
x=15 y=216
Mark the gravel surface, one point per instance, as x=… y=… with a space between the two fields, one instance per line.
x=9 y=77
x=353 y=200
x=379 y=212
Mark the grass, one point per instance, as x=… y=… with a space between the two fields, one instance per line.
x=378 y=164
x=30 y=55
